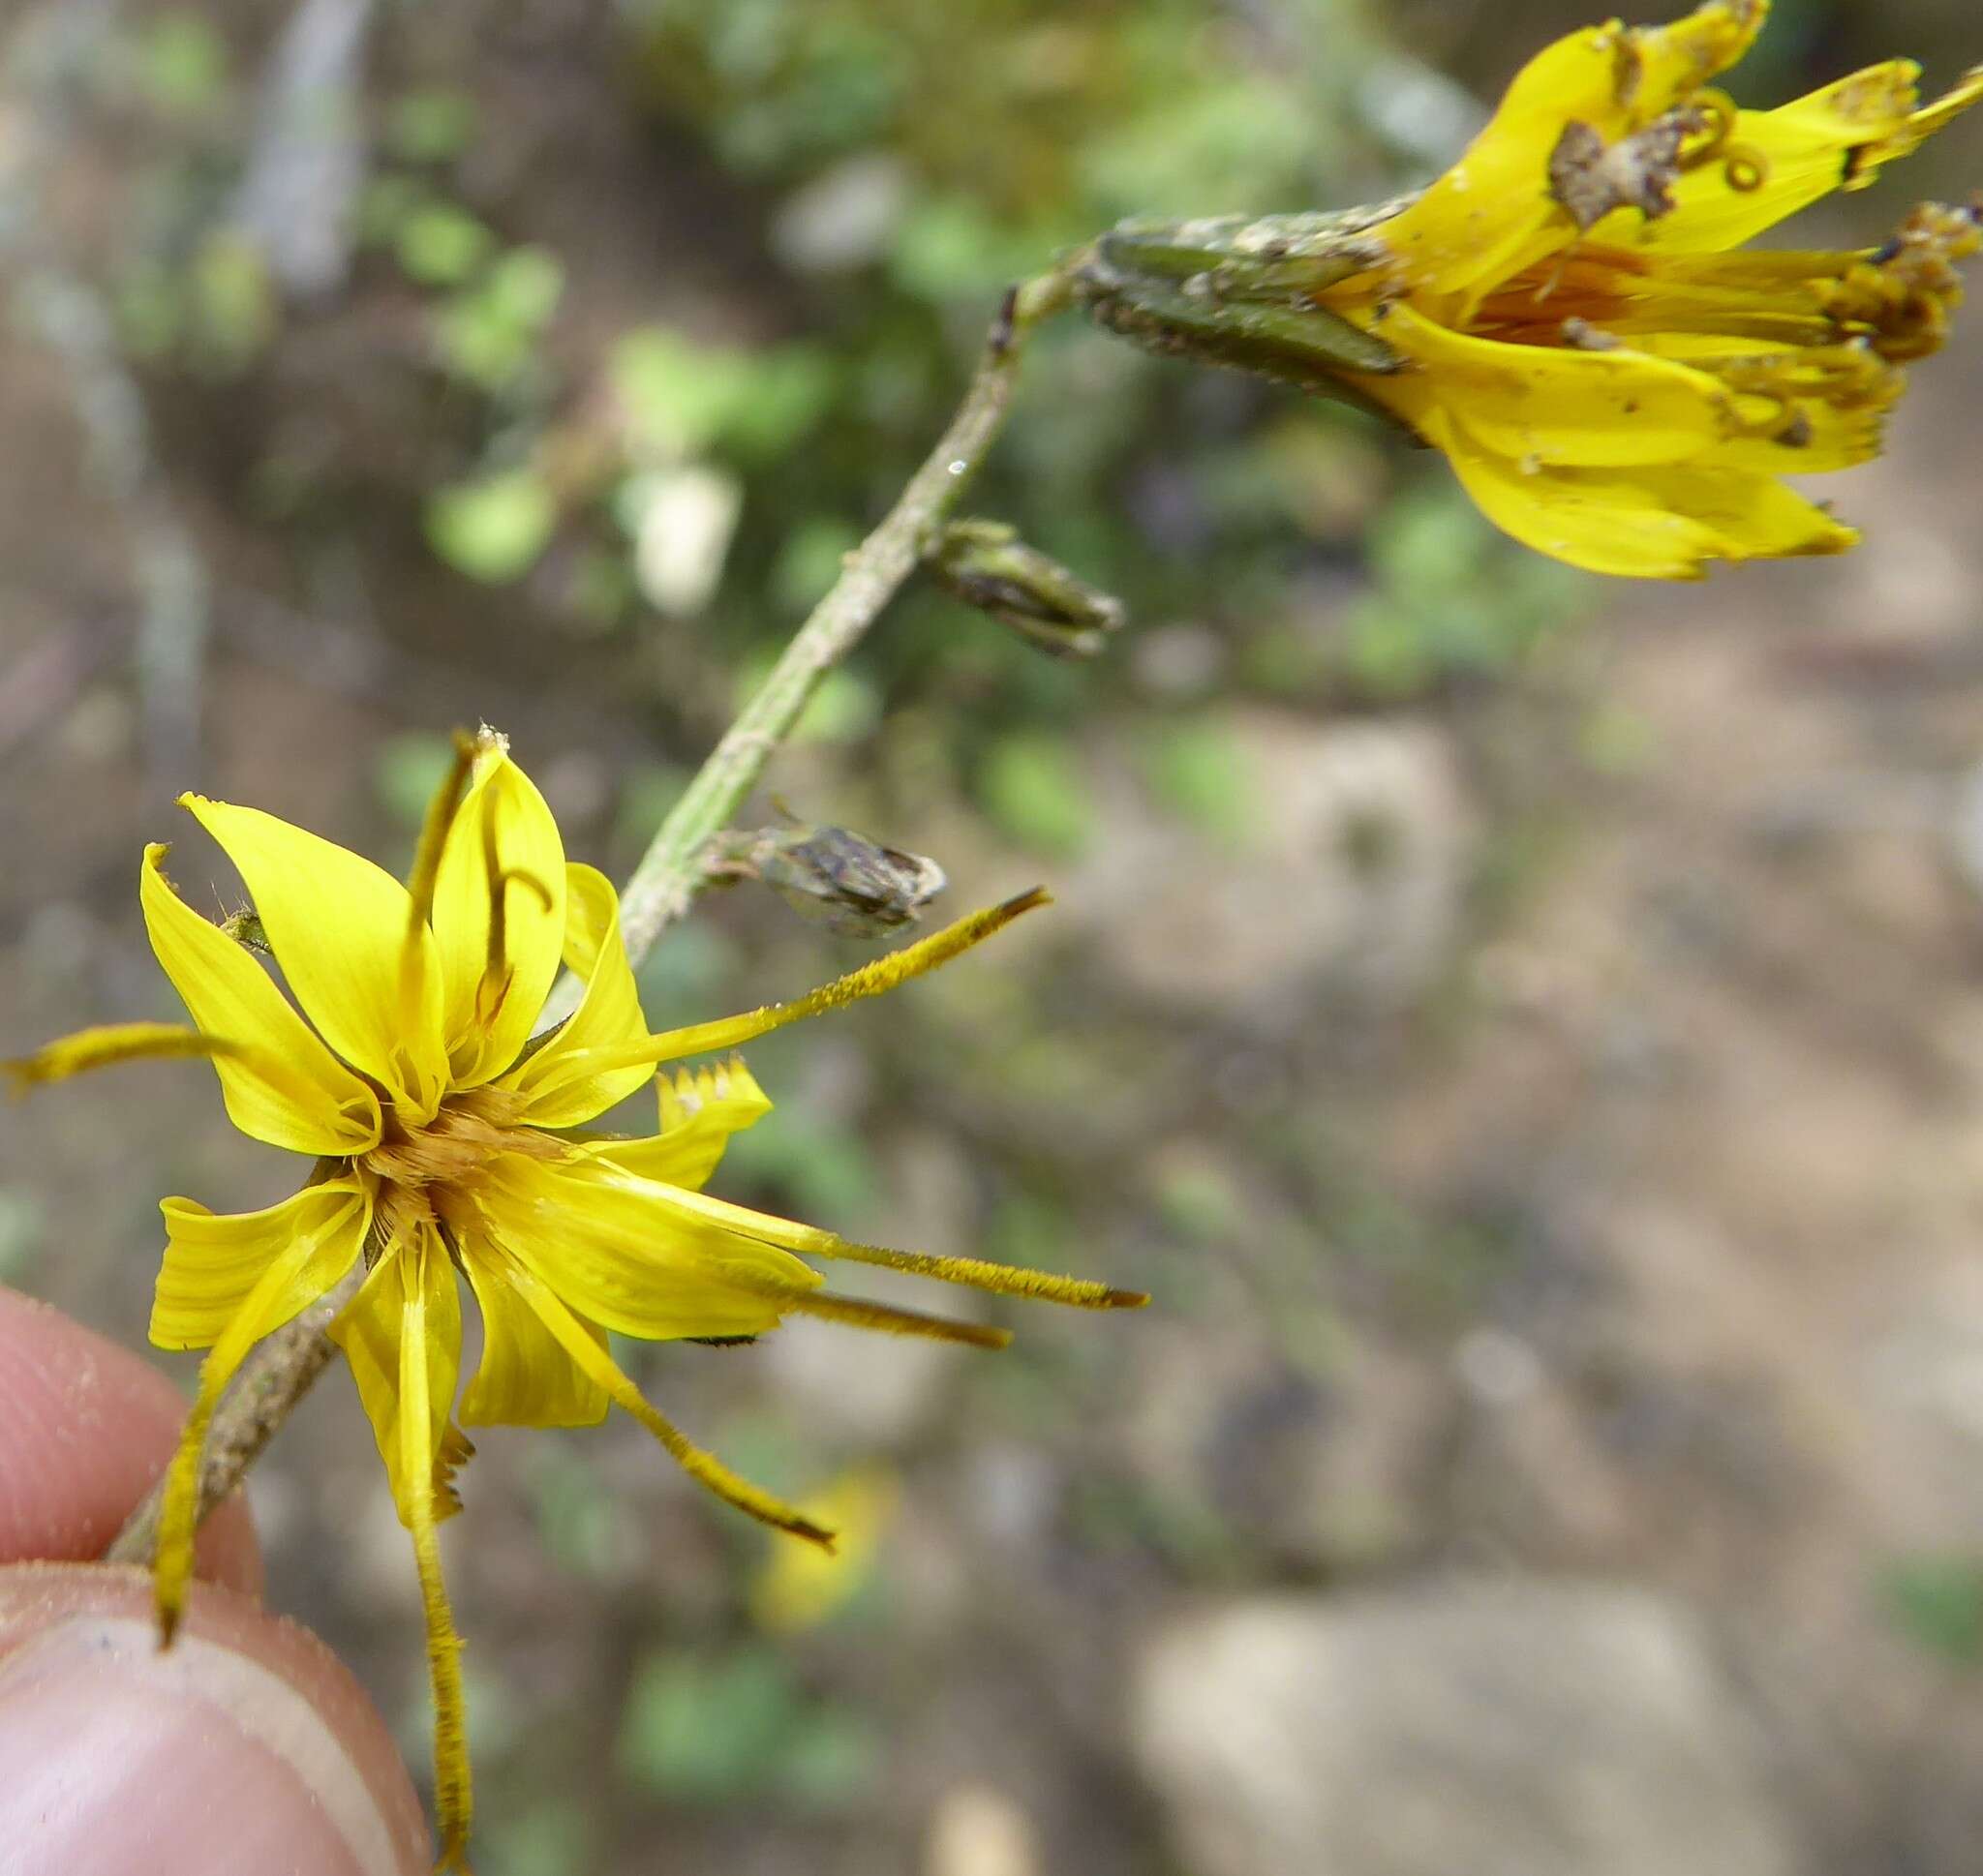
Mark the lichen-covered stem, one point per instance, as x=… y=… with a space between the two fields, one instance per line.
x=672 y=872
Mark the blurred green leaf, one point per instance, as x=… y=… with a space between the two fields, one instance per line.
x=708 y=1730
x=825 y=1168
x=406 y=770
x=440 y=244
x=576 y=1516
x=386 y=206
x=181 y=66
x=151 y=310
x=808 y=561
x=1033 y=789
x=231 y=310
x=435 y=125
x=834 y=1759
x=492 y=329
x=647 y=791
x=494 y=529
x=949 y=249
x=548 y=1837
x=1198 y=769
x=1938 y=1603
x=1451 y=596
x=682 y=399
x=21 y=1226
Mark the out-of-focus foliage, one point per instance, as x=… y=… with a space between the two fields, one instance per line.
x=646 y=314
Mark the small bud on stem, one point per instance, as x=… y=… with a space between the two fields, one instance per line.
x=987 y=565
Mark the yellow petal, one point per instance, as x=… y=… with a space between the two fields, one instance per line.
x=1648 y=524
x=1838 y=138
x=620 y=1255
x=1611 y=408
x=700 y=1110
x=370 y=1334
x=337 y=924
x=322 y=1243
x=213 y=1260
x=429 y=1337
x=704 y=1468
x=560 y=1082
x=281 y=1085
x=869 y=980
x=1492 y=213
x=524 y=1378
x=502 y=852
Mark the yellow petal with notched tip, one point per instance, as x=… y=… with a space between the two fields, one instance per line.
x=281 y=1084
x=1656 y=524
x=562 y=1084
x=369 y=1333
x=1838 y=138
x=700 y=1110
x=214 y=1259
x=1598 y=409
x=1492 y=213
x=622 y=1254
x=310 y=1245
x=337 y=924
x=524 y=1378
x=504 y=856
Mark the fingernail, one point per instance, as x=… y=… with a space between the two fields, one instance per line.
x=118 y=1756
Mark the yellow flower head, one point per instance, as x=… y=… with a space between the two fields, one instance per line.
x=1563 y=313
x=445 y=1145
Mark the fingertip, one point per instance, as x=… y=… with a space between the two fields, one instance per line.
x=244 y=1748
x=85 y=1429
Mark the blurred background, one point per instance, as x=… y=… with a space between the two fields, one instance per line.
x=1528 y=1034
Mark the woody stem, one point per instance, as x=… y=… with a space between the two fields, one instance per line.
x=280 y=1372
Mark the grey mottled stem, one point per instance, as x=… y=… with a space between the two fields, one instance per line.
x=280 y=1371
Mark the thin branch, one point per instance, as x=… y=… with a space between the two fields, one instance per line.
x=282 y=1366
x=671 y=872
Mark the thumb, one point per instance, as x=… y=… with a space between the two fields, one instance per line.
x=246 y=1747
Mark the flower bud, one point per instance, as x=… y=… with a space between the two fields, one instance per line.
x=987 y=565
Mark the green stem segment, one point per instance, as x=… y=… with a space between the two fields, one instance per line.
x=281 y=1371
x=674 y=867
